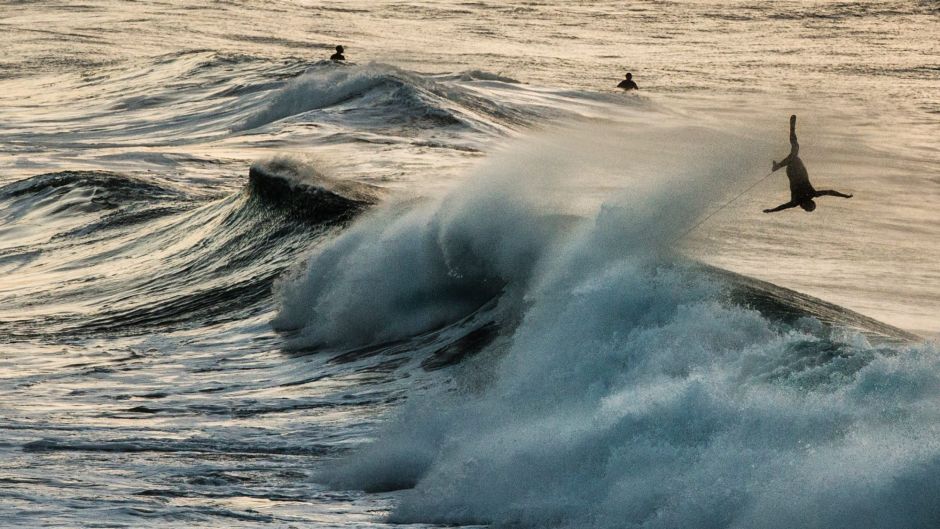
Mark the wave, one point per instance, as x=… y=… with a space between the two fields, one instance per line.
x=481 y=75
x=73 y=203
x=642 y=399
x=107 y=183
x=624 y=386
x=286 y=183
x=195 y=96
x=144 y=255
x=172 y=99
x=387 y=95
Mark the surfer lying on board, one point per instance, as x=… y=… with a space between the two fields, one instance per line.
x=802 y=192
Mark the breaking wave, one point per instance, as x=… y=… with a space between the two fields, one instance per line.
x=626 y=386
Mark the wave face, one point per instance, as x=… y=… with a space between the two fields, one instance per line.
x=627 y=387
x=124 y=256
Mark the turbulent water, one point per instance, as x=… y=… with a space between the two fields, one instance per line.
x=462 y=280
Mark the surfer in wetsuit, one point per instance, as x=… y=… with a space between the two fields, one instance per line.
x=628 y=84
x=338 y=56
x=802 y=192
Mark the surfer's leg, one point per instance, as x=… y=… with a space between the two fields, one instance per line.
x=785 y=162
x=831 y=193
x=794 y=147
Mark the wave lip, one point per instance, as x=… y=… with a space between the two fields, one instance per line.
x=302 y=190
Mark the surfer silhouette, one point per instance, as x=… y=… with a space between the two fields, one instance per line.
x=628 y=84
x=802 y=192
x=338 y=56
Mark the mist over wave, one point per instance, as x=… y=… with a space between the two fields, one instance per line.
x=627 y=386
x=435 y=261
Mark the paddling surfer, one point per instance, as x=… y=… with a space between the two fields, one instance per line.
x=338 y=56
x=802 y=191
x=628 y=84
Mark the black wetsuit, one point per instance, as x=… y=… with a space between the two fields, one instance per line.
x=628 y=84
x=800 y=187
x=802 y=192
x=337 y=57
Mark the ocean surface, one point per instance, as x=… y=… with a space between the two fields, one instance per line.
x=462 y=280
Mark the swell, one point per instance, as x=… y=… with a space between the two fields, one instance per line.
x=170 y=99
x=121 y=256
x=597 y=377
x=196 y=96
x=380 y=95
x=68 y=203
x=109 y=183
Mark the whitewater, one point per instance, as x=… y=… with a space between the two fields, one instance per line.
x=461 y=280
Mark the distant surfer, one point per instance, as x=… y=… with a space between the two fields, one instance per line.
x=802 y=192
x=628 y=84
x=338 y=56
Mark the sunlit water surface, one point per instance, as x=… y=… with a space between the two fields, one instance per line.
x=141 y=381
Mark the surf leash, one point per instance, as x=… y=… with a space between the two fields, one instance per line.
x=726 y=204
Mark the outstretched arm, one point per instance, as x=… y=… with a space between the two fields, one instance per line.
x=781 y=207
x=794 y=146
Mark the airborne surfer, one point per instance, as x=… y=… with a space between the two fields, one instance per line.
x=338 y=56
x=802 y=192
